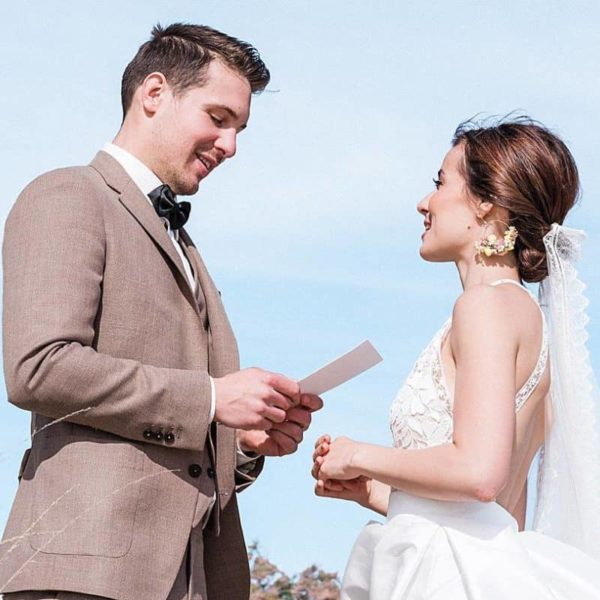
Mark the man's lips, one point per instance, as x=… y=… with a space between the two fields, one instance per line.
x=207 y=162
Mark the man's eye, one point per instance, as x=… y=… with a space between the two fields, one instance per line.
x=216 y=120
x=437 y=183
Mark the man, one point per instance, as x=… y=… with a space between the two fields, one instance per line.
x=116 y=340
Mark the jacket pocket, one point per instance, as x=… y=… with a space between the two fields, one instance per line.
x=85 y=498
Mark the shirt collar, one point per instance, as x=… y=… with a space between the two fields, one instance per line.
x=145 y=179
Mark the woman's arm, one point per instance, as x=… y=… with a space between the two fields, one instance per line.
x=476 y=464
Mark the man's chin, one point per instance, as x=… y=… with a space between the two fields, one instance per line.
x=188 y=188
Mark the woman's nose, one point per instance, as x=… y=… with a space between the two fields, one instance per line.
x=423 y=205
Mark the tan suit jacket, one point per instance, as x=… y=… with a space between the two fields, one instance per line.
x=102 y=330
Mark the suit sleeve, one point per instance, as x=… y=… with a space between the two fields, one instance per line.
x=53 y=258
x=247 y=469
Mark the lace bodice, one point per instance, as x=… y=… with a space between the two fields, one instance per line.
x=421 y=413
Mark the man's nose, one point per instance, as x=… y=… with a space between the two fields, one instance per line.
x=226 y=143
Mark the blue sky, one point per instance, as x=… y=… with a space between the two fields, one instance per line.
x=311 y=231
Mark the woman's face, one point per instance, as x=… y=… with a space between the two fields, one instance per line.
x=451 y=225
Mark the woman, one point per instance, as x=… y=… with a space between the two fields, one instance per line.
x=482 y=397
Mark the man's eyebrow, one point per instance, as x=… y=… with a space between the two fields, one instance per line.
x=228 y=110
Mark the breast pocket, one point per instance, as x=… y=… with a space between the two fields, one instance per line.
x=85 y=498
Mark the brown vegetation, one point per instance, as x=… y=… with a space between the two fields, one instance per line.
x=268 y=582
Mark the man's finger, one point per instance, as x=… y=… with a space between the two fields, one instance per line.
x=275 y=398
x=301 y=416
x=273 y=414
x=311 y=402
x=292 y=429
x=285 y=442
x=284 y=385
x=261 y=424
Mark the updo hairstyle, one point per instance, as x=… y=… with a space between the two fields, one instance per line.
x=520 y=165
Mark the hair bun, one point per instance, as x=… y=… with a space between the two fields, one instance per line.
x=533 y=265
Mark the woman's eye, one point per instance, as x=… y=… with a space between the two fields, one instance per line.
x=437 y=183
x=216 y=120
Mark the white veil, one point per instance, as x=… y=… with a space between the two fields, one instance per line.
x=568 y=505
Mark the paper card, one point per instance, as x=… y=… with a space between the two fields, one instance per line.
x=342 y=369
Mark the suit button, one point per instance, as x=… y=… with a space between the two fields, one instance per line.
x=210 y=472
x=148 y=435
x=158 y=436
x=169 y=437
x=194 y=470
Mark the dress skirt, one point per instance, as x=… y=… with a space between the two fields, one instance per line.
x=435 y=550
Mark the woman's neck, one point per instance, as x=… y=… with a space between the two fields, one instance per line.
x=478 y=270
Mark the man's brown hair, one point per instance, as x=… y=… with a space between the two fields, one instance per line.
x=182 y=53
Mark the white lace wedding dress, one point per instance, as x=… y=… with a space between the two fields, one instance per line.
x=439 y=550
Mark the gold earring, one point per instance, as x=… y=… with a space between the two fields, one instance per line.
x=490 y=245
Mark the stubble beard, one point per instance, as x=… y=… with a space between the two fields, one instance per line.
x=177 y=181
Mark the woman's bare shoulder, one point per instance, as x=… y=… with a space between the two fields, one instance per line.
x=492 y=310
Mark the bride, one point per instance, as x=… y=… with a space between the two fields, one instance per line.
x=501 y=379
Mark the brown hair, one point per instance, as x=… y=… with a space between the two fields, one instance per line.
x=182 y=53
x=520 y=165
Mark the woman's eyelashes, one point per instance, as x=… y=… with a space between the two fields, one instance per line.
x=437 y=183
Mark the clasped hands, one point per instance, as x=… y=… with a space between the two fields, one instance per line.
x=336 y=473
x=268 y=410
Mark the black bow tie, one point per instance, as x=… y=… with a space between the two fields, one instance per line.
x=165 y=205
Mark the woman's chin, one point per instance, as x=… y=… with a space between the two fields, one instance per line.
x=425 y=253
x=430 y=255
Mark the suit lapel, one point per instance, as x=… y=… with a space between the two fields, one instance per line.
x=140 y=208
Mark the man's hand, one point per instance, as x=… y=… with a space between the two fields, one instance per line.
x=254 y=399
x=282 y=438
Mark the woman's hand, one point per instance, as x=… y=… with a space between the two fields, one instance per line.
x=365 y=491
x=333 y=460
x=357 y=490
x=338 y=461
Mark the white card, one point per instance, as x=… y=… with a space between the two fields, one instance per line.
x=340 y=370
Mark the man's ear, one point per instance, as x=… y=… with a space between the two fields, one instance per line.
x=153 y=91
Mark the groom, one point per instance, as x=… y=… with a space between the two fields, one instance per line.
x=116 y=340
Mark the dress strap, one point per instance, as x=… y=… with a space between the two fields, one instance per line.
x=513 y=281
x=535 y=377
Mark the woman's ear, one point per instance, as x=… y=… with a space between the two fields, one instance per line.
x=484 y=209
